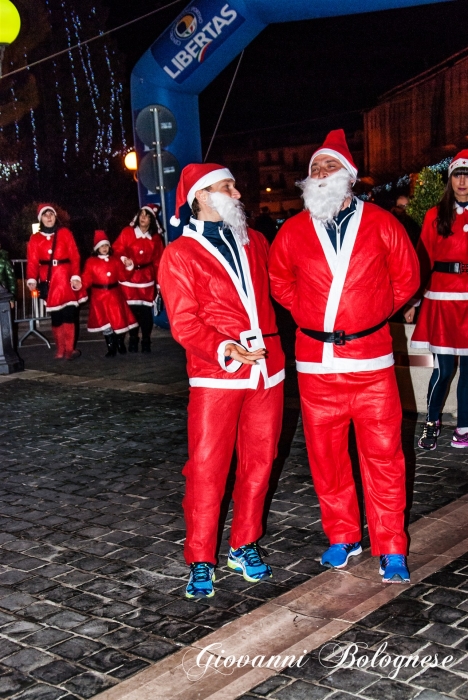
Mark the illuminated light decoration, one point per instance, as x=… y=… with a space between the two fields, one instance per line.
x=8 y=170
x=73 y=85
x=131 y=161
x=34 y=135
x=405 y=179
x=10 y=25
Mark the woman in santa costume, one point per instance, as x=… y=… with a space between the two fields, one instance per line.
x=108 y=309
x=141 y=242
x=214 y=281
x=53 y=257
x=343 y=267
x=442 y=326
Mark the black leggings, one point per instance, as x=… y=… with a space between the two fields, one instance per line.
x=438 y=385
x=144 y=316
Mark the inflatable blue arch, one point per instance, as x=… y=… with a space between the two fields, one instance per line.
x=205 y=37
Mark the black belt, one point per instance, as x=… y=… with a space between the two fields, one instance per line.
x=140 y=267
x=54 y=262
x=105 y=286
x=453 y=267
x=340 y=337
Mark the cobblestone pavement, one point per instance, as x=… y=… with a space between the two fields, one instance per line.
x=91 y=567
x=428 y=620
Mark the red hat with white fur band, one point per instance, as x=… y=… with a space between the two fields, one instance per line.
x=335 y=145
x=194 y=177
x=41 y=208
x=100 y=239
x=459 y=161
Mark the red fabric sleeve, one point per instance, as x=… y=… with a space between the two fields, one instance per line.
x=425 y=249
x=32 y=266
x=120 y=247
x=402 y=261
x=281 y=271
x=178 y=288
x=157 y=253
x=87 y=276
x=72 y=251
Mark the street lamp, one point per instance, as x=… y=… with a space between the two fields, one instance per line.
x=131 y=161
x=10 y=24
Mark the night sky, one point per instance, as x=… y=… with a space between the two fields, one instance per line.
x=301 y=71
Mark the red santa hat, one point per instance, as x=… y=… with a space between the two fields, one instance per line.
x=41 y=208
x=335 y=145
x=194 y=177
x=459 y=161
x=100 y=238
x=150 y=208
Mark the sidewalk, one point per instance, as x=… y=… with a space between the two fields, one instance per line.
x=91 y=569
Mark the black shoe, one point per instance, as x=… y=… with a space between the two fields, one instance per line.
x=133 y=344
x=111 y=341
x=429 y=435
x=122 y=350
x=146 y=346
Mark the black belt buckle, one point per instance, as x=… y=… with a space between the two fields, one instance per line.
x=462 y=267
x=339 y=337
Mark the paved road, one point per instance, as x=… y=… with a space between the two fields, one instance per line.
x=91 y=530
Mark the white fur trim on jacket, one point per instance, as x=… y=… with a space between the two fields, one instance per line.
x=447 y=296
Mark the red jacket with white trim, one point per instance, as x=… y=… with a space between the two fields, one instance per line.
x=108 y=307
x=374 y=274
x=40 y=248
x=207 y=308
x=441 y=326
x=146 y=251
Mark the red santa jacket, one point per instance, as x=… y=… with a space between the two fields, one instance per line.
x=145 y=251
x=208 y=308
x=39 y=252
x=374 y=274
x=108 y=307
x=441 y=325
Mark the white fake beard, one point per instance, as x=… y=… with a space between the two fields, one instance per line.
x=324 y=197
x=232 y=213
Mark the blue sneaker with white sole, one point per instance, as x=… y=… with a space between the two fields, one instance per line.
x=201 y=579
x=337 y=555
x=394 y=568
x=249 y=560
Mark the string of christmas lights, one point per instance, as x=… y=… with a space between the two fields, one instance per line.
x=405 y=180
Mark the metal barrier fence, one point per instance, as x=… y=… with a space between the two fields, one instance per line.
x=28 y=307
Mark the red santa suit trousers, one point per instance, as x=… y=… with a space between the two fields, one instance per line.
x=371 y=401
x=220 y=420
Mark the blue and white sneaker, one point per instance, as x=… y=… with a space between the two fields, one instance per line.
x=201 y=579
x=394 y=568
x=337 y=555
x=249 y=560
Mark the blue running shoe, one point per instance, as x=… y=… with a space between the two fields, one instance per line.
x=337 y=555
x=201 y=579
x=249 y=560
x=394 y=568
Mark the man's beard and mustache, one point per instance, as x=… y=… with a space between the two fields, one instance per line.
x=232 y=213
x=324 y=197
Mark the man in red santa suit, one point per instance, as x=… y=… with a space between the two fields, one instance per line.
x=342 y=267
x=214 y=282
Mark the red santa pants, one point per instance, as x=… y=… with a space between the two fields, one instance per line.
x=371 y=400
x=220 y=420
